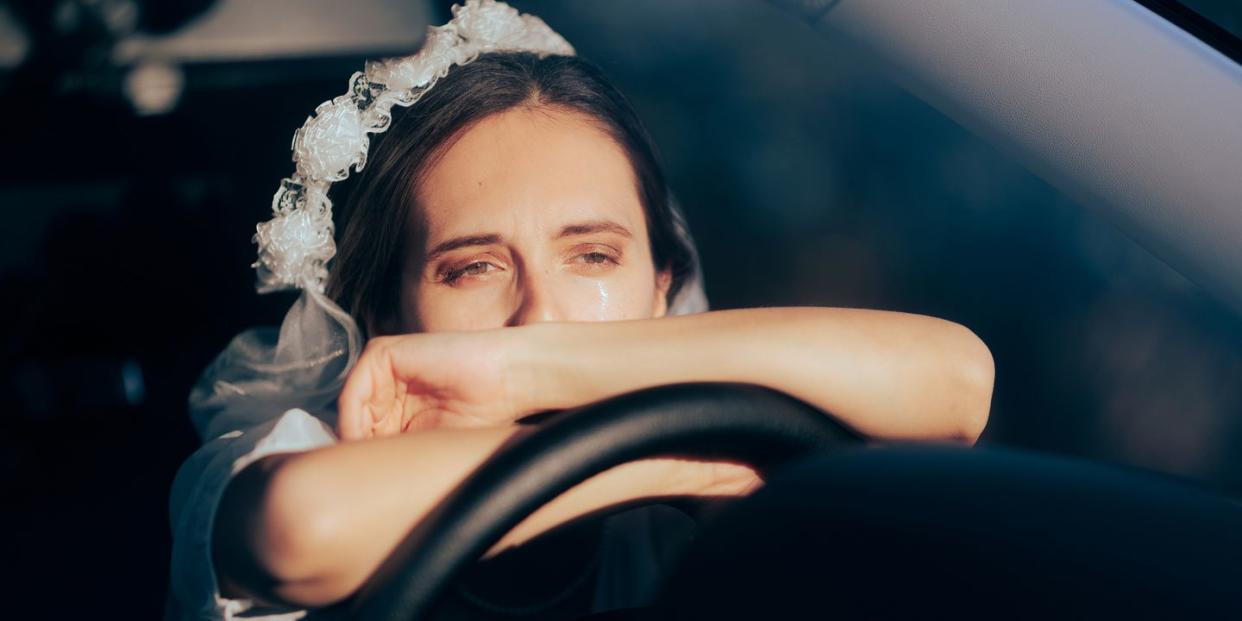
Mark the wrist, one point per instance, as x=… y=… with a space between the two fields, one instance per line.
x=530 y=361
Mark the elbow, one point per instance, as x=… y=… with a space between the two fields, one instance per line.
x=974 y=375
x=281 y=529
x=295 y=525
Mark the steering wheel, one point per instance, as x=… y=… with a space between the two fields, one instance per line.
x=756 y=426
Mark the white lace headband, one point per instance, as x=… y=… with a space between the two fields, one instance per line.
x=296 y=244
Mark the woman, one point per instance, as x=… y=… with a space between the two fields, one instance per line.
x=509 y=249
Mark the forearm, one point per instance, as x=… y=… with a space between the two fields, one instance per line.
x=888 y=375
x=307 y=529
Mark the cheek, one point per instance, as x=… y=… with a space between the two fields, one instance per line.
x=432 y=309
x=627 y=296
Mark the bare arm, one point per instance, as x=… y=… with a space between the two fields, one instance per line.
x=893 y=376
x=888 y=375
x=308 y=528
x=325 y=519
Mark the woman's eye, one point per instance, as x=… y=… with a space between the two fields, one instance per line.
x=595 y=259
x=477 y=268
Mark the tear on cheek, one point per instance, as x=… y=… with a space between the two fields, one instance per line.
x=604 y=308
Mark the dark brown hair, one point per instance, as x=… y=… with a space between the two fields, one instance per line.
x=365 y=275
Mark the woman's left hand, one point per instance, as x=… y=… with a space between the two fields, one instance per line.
x=425 y=381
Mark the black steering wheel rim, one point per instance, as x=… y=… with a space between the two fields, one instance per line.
x=753 y=425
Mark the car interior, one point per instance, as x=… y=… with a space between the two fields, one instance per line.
x=1107 y=484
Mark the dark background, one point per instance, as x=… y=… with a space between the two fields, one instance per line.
x=807 y=177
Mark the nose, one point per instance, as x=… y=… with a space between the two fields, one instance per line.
x=535 y=300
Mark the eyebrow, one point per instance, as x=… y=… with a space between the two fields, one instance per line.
x=462 y=242
x=570 y=230
x=595 y=226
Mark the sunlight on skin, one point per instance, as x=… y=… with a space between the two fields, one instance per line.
x=531 y=287
x=540 y=234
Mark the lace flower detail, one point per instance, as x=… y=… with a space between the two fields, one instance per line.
x=441 y=49
x=488 y=22
x=330 y=142
x=295 y=246
x=297 y=243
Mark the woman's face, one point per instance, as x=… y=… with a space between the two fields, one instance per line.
x=532 y=215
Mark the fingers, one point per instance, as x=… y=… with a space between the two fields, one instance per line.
x=370 y=400
x=736 y=479
x=720 y=478
x=388 y=393
x=387 y=405
x=410 y=407
x=351 y=411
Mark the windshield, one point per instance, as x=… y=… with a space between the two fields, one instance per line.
x=808 y=177
x=1215 y=22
